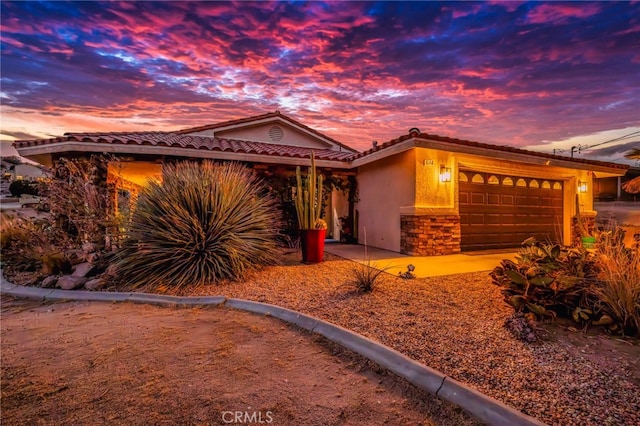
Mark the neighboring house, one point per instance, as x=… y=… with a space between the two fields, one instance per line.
x=611 y=188
x=419 y=194
x=12 y=168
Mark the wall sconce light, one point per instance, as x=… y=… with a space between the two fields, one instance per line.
x=582 y=186
x=445 y=174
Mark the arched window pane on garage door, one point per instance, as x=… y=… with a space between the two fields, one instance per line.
x=477 y=178
x=507 y=181
x=493 y=180
x=534 y=184
x=546 y=184
x=557 y=185
x=521 y=182
x=462 y=177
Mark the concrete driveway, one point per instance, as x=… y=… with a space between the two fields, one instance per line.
x=426 y=266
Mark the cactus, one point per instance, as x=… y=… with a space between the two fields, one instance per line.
x=309 y=197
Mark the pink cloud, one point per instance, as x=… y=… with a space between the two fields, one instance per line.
x=554 y=12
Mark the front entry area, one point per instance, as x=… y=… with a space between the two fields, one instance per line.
x=500 y=211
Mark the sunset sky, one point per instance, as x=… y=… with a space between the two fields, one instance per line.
x=525 y=74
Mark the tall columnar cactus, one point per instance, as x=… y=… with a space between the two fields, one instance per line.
x=309 y=197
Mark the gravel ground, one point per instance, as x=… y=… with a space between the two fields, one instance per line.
x=455 y=325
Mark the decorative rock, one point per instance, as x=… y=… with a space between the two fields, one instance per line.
x=70 y=282
x=82 y=269
x=88 y=247
x=95 y=284
x=49 y=282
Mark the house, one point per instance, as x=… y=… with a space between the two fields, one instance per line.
x=419 y=194
x=12 y=168
x=611 y=188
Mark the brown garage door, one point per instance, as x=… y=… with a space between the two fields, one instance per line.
x=499 y=211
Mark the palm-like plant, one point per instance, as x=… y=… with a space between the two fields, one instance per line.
x=202 y=223
x=632 y=186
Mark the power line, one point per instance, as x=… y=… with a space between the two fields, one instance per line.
x=580 y=148
x=612 y=140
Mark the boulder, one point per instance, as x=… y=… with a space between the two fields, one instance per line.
x=70 y=282
x=95 y=284
x=49 y=281
x=82 y=269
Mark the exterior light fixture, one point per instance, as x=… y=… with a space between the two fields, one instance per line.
x=445 y=174
x=582 y=186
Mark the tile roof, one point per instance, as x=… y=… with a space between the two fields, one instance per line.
x=180 y=140
x=463 y=142
x=177 y=140
x=262 y=117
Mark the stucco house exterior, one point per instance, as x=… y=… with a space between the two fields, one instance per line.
x=419 y=194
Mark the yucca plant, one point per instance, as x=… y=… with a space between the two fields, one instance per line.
x=201 y=224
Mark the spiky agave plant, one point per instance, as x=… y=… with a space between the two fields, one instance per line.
x=202 y=223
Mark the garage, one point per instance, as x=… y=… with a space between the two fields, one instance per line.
x=500 y=211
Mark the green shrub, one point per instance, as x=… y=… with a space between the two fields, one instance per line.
x=203 y=223
x=20 y=187
x=546 y=279
x=600 y=287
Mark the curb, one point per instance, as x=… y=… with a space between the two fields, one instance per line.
x=483 y=407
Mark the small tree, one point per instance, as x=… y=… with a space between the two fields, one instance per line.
x=633 y=186
x=79 y=201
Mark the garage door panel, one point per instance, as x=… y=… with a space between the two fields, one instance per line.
x=476 y=219
x=501 y=216
x=478 y=198
x=508 y=199
x=493 y=198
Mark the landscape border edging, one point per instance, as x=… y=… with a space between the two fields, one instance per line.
x=481 y=406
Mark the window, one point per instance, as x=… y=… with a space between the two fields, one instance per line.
x=493 y=180
x=462 y=177
x=534 y=184
x=507 y=181
x=521 y=182
x=557 y=185
x=477 y=178
x=546 y=184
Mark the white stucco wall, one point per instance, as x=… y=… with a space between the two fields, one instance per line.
x=339 y=208
x=384 y=187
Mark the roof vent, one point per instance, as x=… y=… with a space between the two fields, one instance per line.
x=374 y=144
x=414 y=130
x=276 y=134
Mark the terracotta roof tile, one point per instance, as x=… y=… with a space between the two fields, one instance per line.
x=463 y=142
x=177 y=140
x=262 y=117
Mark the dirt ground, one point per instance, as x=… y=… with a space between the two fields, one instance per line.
x=93 y=363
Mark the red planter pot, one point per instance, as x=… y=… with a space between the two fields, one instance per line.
x=312 y=242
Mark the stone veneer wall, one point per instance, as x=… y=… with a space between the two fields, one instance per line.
x=429 y=235
x=589 y=222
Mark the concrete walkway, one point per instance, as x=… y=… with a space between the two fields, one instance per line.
x=426 y=266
